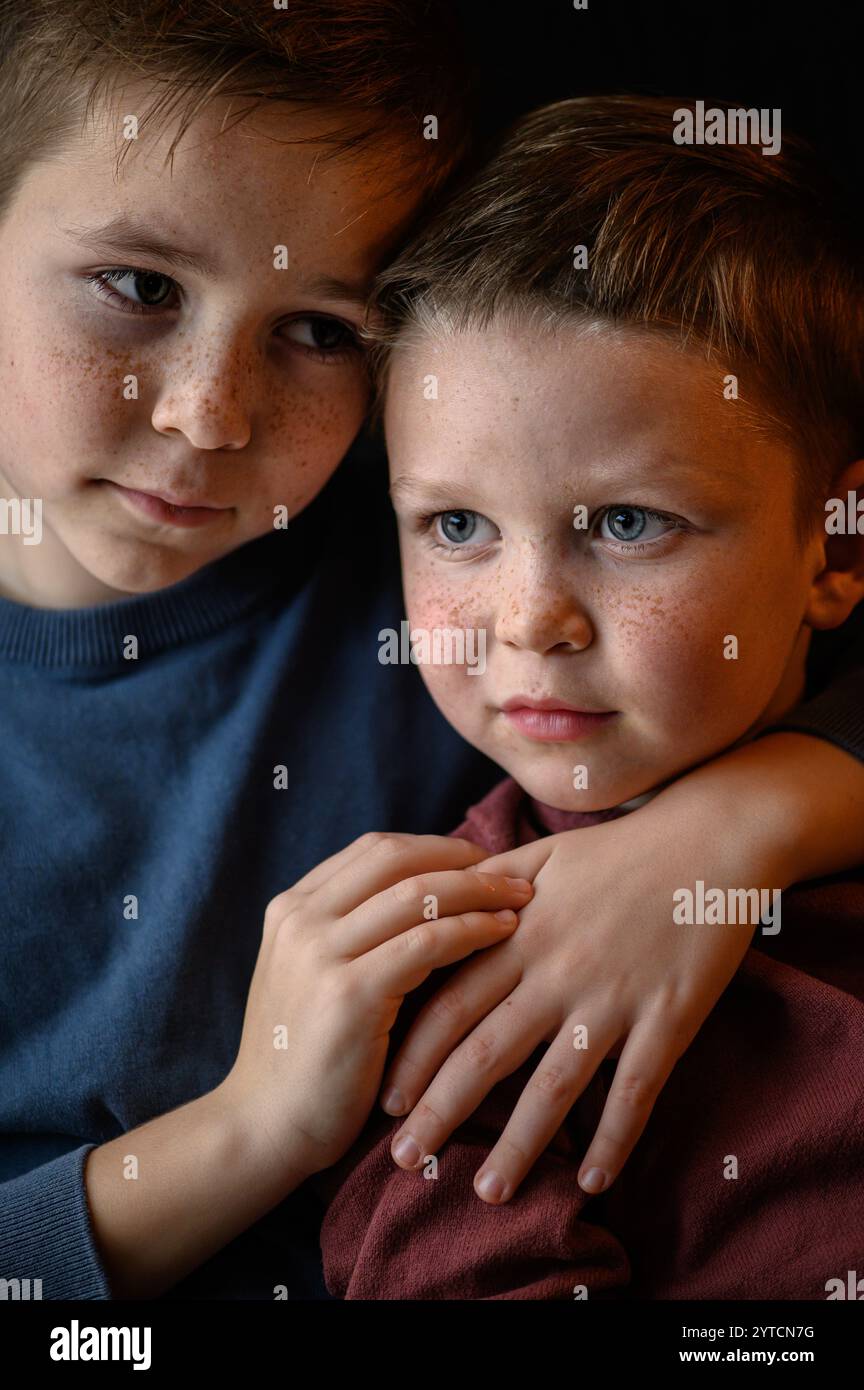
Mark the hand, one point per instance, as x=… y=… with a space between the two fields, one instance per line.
x=597 y=946
x=339 y=952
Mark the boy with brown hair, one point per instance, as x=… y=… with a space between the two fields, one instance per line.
x=622 y=382
x=196 y=197
x=194 y=201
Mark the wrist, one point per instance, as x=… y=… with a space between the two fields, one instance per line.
x=203 y=1182
x=277 y=1161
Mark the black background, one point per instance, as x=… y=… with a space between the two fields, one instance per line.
x=807 y=59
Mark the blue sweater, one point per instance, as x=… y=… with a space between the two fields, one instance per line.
x=154 y=778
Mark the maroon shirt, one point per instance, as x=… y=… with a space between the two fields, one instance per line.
x=775 y=1077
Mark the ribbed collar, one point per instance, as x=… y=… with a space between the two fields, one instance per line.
x=208 y=600
x=508 y=817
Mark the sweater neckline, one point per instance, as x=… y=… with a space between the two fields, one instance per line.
x=549 y=820
x=210 y=599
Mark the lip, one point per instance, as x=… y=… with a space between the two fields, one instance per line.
x=168 y=510
x=548 y=702
x=550 y=720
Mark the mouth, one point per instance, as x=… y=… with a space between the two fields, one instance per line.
x=550 y=720
x=165 y=509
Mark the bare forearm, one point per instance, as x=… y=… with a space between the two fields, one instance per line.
x=795 y=802
x=202 y=1179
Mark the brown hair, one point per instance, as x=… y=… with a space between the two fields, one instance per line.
x=382 y=65
x=750 y=256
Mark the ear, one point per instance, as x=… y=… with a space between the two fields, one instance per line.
x=839 y=584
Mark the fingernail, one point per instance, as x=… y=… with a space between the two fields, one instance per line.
x=593 y=1181
x=491 y=1187
x=393 y=1101
x=506 y=915
x=521 y=885
x=407 y=1151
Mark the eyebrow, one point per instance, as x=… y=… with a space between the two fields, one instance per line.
x=125 y=237
x=438 y=493
x=667 y=469
x=326 y=287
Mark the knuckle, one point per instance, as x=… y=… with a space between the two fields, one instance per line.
x=460 y=923
x=551 y=1084
x=370 y=839
x=606 y=1150
x=447 y=1006
x=481 y=1052
x=385 y=844
x=425 y=1115
x=278 y=908
x=410 y=891
x=517 y=1155
x=414 y=941
x=634 y=1091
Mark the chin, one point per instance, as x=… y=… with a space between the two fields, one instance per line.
x=146 y=574
x=557 y=790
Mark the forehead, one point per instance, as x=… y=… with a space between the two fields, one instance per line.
x=572 y=361
x=265 y=180
x=585 y=407
x=580 y=386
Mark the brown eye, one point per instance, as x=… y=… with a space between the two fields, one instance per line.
x=321 y=334
x=151 y=289
x=136 y=290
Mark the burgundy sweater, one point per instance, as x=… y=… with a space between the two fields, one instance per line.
x=775 y=1078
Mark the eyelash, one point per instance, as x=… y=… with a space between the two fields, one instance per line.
x=101 y=282
x=639 y=547
x=425 y=521
x=424 y=524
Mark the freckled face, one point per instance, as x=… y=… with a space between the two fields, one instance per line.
x=238 y=383
x=688 y=540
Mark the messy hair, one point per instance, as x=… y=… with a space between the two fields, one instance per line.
x=753 y=259
x=379 y=67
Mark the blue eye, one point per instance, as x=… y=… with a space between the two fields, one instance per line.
x=454 y=530
x=628 y=524
x=458 y=526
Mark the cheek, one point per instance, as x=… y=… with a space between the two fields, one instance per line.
x=436 y=599
x=67 y=409
x=56 y=366
x=701 y=651
x=306 y=434
x=308 y=422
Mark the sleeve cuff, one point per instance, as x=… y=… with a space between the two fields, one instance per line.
x=45 y=1231
x=836 y=714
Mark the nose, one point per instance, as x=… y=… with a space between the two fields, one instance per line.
x=209 y=399
x=539 y=612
